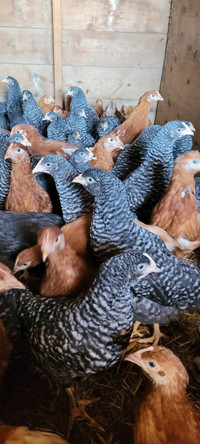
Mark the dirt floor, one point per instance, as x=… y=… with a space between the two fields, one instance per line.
x=28 y=398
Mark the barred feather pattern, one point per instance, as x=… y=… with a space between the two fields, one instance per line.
x=72 y=339
x=77 y=104
x=197 y=190
x=134 y=154
x=106 y=125
x=33 y=114
x=5 y=169
x=14 y=104
x=148 y=183
x=74 y=200
x=113 y=231
x=56 y=130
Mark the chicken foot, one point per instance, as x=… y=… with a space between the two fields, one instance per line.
x=155 y=338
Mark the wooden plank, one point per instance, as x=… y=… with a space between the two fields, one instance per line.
x=24 y=13
x=57 y=48
x=116 y=15
x=181 y=80
x=37 y=78
x=26 y=46
x=113 y=49
x=112 y=83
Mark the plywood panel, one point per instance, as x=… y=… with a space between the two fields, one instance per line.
x=116 y=15
x=38 y=79
x=121 y=83
x=26 y=13
x=113 y=49
x=181 y=75
x=26 y=45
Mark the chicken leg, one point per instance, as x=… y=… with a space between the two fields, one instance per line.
x=155 y=338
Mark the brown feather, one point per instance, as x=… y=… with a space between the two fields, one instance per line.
x=46 y=103
x=22 y=435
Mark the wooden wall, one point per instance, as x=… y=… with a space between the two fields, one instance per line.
x=113 y=49
x=181 y=75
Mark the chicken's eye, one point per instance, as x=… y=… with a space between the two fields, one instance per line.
x=57 y=239
x=48 y=164
x=153 y=95
x=81 y=154
x=90 y=179
x=152 y=364
x=179 y=130
x=111 y=140
x=141 y=267
x=18 y=150
x=195 y=161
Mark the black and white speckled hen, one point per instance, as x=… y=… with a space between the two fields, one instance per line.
x=33 y=115
x=80 y=135
x=72 y=339
x=106 y=125
x=74 y=200
x=113 y=231
x=56 y=129
x=79 y=106
x=14 y=102
x=148 y=183
x=81 y=158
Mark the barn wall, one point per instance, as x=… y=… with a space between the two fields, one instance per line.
x=113 y=49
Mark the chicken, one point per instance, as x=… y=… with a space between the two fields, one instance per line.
x=98 y=107
x=46 y=103
x=106 y=125
x=67 y=273
x=5 y=350
x=166 y=415
x=79 y=105
x=77 y=235
x=74 y=200
x=197 y=190
x=56 y=129
x=177 y=212
x=81 y=158
x=14 y=102
x=25 y=194
x=74 y=338
x=19 y=231
x=23 y=435
x=113 y=231
x=148 y=183
x=41 y=146
x=33 y=115
x=63 y=112
x=103 y=152
x=138 y=119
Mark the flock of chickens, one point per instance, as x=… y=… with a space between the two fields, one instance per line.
x=99 y=210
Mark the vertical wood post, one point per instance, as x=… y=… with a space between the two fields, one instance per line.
x=57 y=49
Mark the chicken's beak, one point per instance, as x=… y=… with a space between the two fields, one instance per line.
x=44 y=255
x=159 y=97
x=189 y=129
x=80 y=179
x=151 y=268
x=25 y=141
x=91 y=156
x=5 y=80
x=24 y=97
x=8 y=152
x=39 y=168
x=68 y=91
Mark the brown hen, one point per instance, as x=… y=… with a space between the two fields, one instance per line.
x=63 y=112
x=177 y=212
x=138 y=120
x=41 y=146
x=104 y=150
x=25 y=193
x=67 y=273
x=166 y=415
x=46 y=103
x=22 y=435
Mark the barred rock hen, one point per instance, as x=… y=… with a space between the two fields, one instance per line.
x=78 y=105
x=80 y=135
x=162 y=414
x=148 y=183
x=74 y=200
x=177 y=212
x=106 y=125
x=19 y=231
x=25 y=194
x=67 y=273
x=14 y=102
x=41 y=146
x=33 y=115
x=72 y=339
x=81 y=158
x=5 y=169
x=46 y=103
x=197 y=190
x=112 y=231
x=56 y=129
x=138 y=119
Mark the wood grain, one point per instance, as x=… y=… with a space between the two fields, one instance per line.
x=118 y=15
x=57 y=51
x=26 y=46
x=113 y=49
x=181 y=74
x=26 y=13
